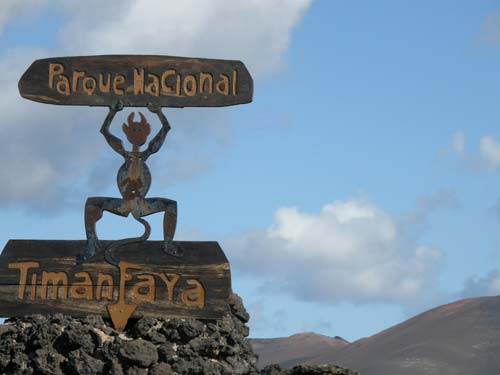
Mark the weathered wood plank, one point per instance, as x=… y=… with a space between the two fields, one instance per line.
x=10 y=306
x=195 y=252
x=43 y=277
x=166 y=81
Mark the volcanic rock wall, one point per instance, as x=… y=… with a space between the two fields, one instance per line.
x=60 y=344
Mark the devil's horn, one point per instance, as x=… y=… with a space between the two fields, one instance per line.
x=143 y=119
x=130 y=118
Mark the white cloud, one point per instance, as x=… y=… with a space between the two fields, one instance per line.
x=489 y=150
x=51 y=149
x=350 y=251
x=257 y=32
x=488 y=285
x=45 y=149
x=11 y=10
x=488 y=157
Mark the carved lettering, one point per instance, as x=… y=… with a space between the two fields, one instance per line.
x=222 y=85
x=178 y=85
x=118 y=81
x=165 y=88
x=149 y=284
x=62 y=85
x=189 y=85
x=170 y=281
x=153 y=86
x=138 y=81
x=33 y=286
x=80 y=285
x=141 y=82
x=55 y=278
x=104 y=87
x=76 y=76
x=82 y=289
x=89 y=85
x=23 y=274
x=194 y=296
x=54 y=70
x=235 y=80
x=104 y=278
x=206 y=78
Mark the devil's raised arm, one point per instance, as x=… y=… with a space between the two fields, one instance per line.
x=159 y=138
x=115 y=142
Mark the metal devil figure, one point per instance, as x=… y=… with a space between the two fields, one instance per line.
x=131 y=277
x=134 y=180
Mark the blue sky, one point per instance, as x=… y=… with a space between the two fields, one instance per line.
x=359 y=188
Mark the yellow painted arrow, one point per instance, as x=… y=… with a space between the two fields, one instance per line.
x=121 y=312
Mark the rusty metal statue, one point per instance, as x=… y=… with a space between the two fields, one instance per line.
x=134 y=180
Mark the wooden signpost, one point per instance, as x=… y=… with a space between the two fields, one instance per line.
x=130 y=277
x=43 y=276
x=136 y=80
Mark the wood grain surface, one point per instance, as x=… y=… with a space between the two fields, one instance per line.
x=166 y=81
x=43 y=277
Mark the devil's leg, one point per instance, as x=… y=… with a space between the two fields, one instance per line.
x=94 y=208
x=169 y=207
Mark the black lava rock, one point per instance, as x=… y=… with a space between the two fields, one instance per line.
x=61 y=344
x=307 y=370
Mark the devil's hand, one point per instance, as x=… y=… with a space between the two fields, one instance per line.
x=116 y=105
x=155 y=108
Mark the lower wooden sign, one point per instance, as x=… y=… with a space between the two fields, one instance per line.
x=42 y=276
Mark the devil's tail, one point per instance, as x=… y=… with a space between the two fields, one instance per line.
x=109 y=252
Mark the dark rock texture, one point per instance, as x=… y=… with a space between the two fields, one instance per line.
x=307 y=370
x=60 y=344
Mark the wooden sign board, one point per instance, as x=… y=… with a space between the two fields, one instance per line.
x=43 y=277
x=165 y=81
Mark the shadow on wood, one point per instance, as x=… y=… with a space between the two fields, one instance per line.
x=43 y=277
x=166 y=81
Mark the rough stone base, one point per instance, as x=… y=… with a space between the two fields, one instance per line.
x=307 y=370
x=60 y=344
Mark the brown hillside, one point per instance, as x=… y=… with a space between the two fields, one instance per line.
x=296 y=349
x=460 y=338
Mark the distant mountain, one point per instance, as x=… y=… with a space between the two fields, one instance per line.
x=461 y=338
x=296 y=349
